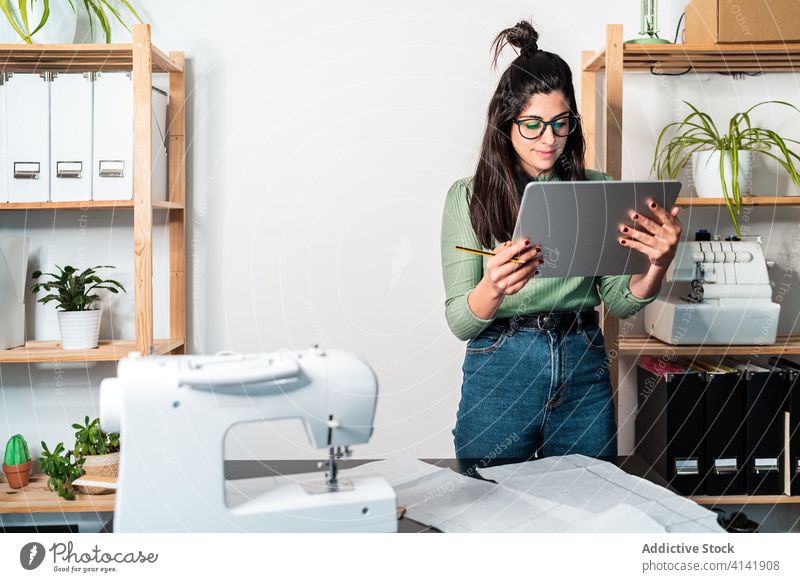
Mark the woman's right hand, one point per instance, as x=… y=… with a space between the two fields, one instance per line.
x=504 y=277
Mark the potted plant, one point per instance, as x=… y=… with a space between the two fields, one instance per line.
x=17 y=462
x=105 y=21
x=722 y=162
x=27 y=20
x=61 y=469
x=99 y=450
x=78 y=318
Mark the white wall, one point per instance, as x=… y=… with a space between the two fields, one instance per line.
x=323 y=137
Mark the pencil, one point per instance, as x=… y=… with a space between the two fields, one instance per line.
x=484 y=253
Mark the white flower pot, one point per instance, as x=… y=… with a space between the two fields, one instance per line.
x=59 y=28
x=79 y=329
x=705 y=170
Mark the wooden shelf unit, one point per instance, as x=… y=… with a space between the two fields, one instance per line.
x=142 y=59
x=613 y=61
x=617 y=58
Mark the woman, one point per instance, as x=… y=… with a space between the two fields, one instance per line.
x=535 y=370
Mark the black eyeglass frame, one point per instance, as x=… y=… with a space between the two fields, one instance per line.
x=574 y=118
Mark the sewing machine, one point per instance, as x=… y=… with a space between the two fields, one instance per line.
x=173 y=413
x=715 y=292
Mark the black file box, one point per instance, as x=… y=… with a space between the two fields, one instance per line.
x=793 y=383
x=670 y=425
x=724 y=434
x=794 y=431
x=767 y=399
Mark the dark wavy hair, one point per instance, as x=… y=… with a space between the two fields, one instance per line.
x=495 y=200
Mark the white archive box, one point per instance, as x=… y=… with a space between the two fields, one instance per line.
x=3 y=153
x=13 y=273
x=71 y=137
x=112 y=165
x=25 y=129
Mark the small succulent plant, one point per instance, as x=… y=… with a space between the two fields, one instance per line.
x=16 y=451
x=90 y=440
x=62 y=468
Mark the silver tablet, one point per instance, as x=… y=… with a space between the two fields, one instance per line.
x=577 y=224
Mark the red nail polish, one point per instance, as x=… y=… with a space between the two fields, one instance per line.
x=652 y=205
x=622 y=242
x=527 y=242
x=624 y=229
x=635 y=216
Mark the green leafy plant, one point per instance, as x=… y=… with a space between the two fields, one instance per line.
x=697 y=132
x=16 y=451
x=61 y=469
x=90 y=440
x=74 y=291
x=100 y=10
x=21 y=24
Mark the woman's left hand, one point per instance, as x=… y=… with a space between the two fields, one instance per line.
x=657 y=238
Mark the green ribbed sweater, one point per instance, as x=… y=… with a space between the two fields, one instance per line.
x=462 y=272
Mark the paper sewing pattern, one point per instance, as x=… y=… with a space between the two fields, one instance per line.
x=573 y=493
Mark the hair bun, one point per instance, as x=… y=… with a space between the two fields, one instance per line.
x=529 y=48
x=522 y=36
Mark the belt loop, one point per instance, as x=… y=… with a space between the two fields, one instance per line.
x=578 y=321
x=512 y=324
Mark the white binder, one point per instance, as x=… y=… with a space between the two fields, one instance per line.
x=3 y=152
x=112 y=165
x=25 y=127
x=13 y=273
x=71 y=137
x=159 y=144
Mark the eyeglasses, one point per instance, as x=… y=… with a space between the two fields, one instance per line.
x=533 y=127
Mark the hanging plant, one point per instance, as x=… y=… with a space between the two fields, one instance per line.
x=697 y=133
x=100 y=13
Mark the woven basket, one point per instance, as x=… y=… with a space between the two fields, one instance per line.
x=100 y=466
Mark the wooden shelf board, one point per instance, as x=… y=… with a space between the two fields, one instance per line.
x=34 y=58
x=107 y=351
x=85 y=205
x=721 y=58
x=37 y=498
x=746 y=201
x=646 y=345
x=744 y=499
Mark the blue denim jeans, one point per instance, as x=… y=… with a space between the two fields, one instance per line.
x=531 y=393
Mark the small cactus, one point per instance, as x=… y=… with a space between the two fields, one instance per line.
x=16 y=451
